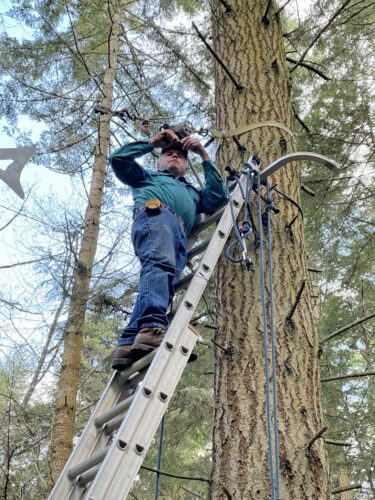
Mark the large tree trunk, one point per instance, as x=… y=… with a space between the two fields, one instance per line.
x=253 y=51
x=65 y=411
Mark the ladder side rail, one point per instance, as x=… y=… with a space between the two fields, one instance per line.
x=115 y=477
x=202 y=274
x=178 y=326
x=105 y=431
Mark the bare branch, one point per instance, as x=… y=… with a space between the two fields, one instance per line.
x=347 y=327
x=228 y=8
x=298 y=297
x=30 y=261
x=342 y=377
x=338 y=443
x=315 y=437
x=15 y=216
x=176 y=476
x=265 y=19
x=346 y=488
x=310 y=68
x=238 y=86
x=36 y=376
x=282 y=7
x=307 y=190
x=300 y=121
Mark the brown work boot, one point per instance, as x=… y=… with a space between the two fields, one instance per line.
x=122 y=357
x=147 y=340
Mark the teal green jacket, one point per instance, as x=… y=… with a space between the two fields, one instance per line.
x=179 y=195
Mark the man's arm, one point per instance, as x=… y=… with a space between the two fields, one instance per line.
x=123 y=161
x=214 y=193
x=126 y=169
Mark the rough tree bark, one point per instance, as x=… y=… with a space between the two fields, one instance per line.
x=65 y=406
x=252 y=50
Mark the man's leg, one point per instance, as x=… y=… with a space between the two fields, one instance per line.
x=121 y=357
x=161 y=269
x=160 y=244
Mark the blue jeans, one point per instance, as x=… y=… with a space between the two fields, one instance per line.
x=160 y=244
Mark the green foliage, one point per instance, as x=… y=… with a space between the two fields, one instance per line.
x=340 y=219
x=24 y=435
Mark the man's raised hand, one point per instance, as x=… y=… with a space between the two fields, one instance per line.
x=195 y=146
x=164 y=139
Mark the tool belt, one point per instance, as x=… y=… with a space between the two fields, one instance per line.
x=153 y=207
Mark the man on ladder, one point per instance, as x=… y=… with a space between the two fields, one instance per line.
x=165 y=207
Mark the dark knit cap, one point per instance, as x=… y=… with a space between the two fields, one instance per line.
x=177 y=146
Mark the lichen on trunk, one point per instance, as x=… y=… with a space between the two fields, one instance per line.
x=253 y=51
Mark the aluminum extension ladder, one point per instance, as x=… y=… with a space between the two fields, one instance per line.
x=136 y=413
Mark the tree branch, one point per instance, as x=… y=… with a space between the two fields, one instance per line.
x=346 y=327
x=300 y=121
x=82 y=61
x=49 y=257
x=195 y=495
x=238 y=86
x=265 y=19
x=353 y=375
x=289 y=317
x=228 y=8
x=346 y=488
x=315 y=437
x=176 y=476
x=307 y=190
x=310 y=68
x=175 y=51
x=338 y=443
x=282 y=7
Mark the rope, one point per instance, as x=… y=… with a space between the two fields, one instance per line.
x=273 y=347
x=265 y=341
x=159 y=459
x=251 y=173
x=242 y=230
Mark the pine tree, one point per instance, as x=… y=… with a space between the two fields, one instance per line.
x=250 y=45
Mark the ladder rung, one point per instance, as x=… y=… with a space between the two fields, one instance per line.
x=113 y=424
x=198 y=249
x=210 y=220
x=87 y=464
x=87 y=477
x=136 y=367
x=113 y=412
x=184 y=282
